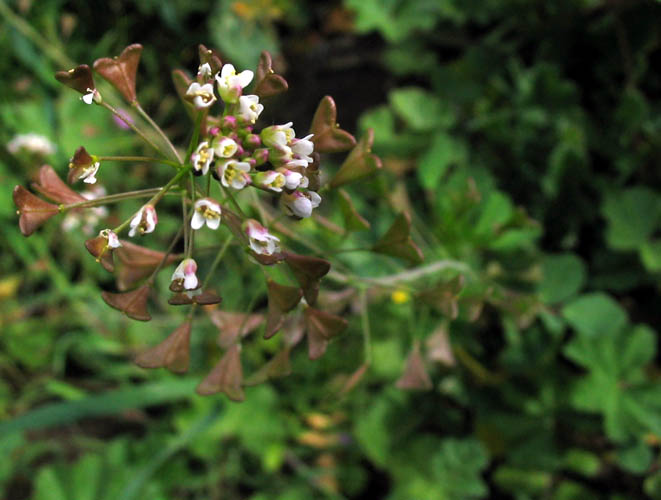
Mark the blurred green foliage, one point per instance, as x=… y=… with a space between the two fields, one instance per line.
x=523 y=137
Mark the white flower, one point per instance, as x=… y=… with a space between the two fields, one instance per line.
x=250 y=108
x=32 y=143
x=185 y=275
x=231 y=85
x=296 y=163
x=303 y=148
x=202 y=95
x=234 y=173
x=206 y=210
x=111 y=237
x=225 y=147
x=271 y=180
x=278 y=136
x=91 y=96
x=261 y=241
x=202 y=158
x=204 y=71
x=293 y=179
x=144 y=221
x=301 y=203
x=88 y=174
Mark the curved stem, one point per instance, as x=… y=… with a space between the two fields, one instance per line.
x=133 y=127
x=158 y=130
x=365 y=324
x=138 y=159
x=112 y=198
x=219 y=256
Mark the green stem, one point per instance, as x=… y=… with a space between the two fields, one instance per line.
x=158 y=130
x=133 y=127
x=28 y=31
x=365 y=324
x=165 y=257
x=196 y=134
x=229 y=194
x=171 y=183
x=139 y=159
x=216 y=261
x=112 y=198
x=184 y=213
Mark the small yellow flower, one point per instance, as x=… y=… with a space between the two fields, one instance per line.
x=400 y=296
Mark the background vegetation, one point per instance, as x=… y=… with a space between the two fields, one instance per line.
x=523 y=137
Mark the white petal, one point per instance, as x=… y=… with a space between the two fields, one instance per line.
x=315 y=199
x=190 y=282
x=88 y=98
x=244 y=78
x=213 y=223
x=197 y=221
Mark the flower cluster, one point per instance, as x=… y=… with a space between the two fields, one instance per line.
x=237 y=155
x=227 y=145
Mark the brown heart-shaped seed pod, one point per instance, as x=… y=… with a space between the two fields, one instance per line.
x=328 y=136
x=33 y=211
x=121 y=71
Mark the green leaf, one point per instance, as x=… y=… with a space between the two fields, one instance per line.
x=420 y=109
x=631 y=215
x=112 y=402
x=563 y=275
x=443 y=152
x=595 y=315
x=496 y=212
x=636 y=457
x=650 y=254
x=48 y=486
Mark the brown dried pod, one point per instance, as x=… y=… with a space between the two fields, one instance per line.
x=210 y=57
x=397 y=241
x=353 y=221
x=120 y=71
x=233 y=325
x=321 y=327
x=328 y=136
x=308 y=271
x=138 y=262
x=439 y=348
x=267 y=82
x=172 y=353
x=99 y=248
x=278 y=366
x=282 y=299
x=33 y=211
x=79 y=78
x=226 y=376
x=360 y=163
x=181 y=83
x=199 y=297
x=415 y=376
x=133 y=303
x=51 y=186
x=313 y=173
x=267 y=260
x=79 y=165
x=444 y=296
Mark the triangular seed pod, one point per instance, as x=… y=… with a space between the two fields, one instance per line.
x=308 y=271
x=79 y=78
x=51 y=186
x=33 y=211
x=360 y=163
x=415 y=376
x=321 y=327
x=353 y=221
x=397 y=241
x=172 y=353
x=267 y=82
x=278 y=366
x=121 y=71
x=282 y=299
x=328 y=136
x=226 y=376
x=133 y=303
